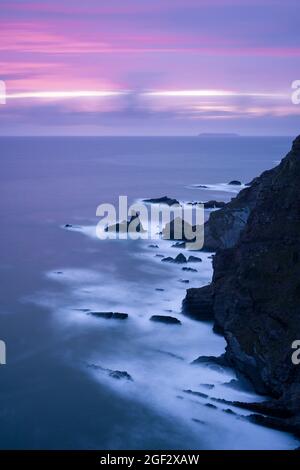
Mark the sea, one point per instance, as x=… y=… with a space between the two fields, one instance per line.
x=73 y=380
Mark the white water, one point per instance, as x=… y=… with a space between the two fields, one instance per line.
x=157 y=356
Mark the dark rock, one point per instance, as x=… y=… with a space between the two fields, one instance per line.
x=163 y=200
x=199 y=421
x=214 y=204
x=194 y=259
x=198 y=394
x=68 y=225
x=220 y=360
x=132 y=225
x=184 y=281
x=115 y=374
x=153 y=246
x=210 y=405
x=170 y=354
x=191 y=270
x=159 y=289
x=177 y=230
x=276 y=423
x=256 y=288
x=235 y=183
x=198 y=303
x=109 y=315
x=229 y=411
x=165 y=319
x=179 y=259
x=158 y=255
x=178 y=245
x=120 y=375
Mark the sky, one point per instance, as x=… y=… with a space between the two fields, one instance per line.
x=149 y=67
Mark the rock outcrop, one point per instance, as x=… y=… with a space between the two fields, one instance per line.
x=132 y=225
x=163 y=200
x=254 y=296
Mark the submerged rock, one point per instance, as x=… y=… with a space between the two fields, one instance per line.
x=165 y=319
x=210 y=405
x=109 y=315
x=235 y=183
x=198 y=394
x=191 y=270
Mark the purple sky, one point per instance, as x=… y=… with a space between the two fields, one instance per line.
x=149 y=67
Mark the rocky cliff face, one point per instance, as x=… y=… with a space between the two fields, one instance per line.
x=255 y=292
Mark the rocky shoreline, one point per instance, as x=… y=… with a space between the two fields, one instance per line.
x=254 y=297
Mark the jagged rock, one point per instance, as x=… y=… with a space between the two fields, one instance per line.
x=132 y=225
x=165 y=319
x=224 y=227
x=255 y=290
x=191 y=270
x=163 y=200
x=115 y=374
x=179 y=259
x=109 y=315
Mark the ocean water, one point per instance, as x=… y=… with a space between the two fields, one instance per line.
x=56 y=390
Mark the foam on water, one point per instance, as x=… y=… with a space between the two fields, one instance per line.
x=157 y=356
x=221 y=187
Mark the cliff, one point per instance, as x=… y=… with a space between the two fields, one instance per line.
x=254 y=296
